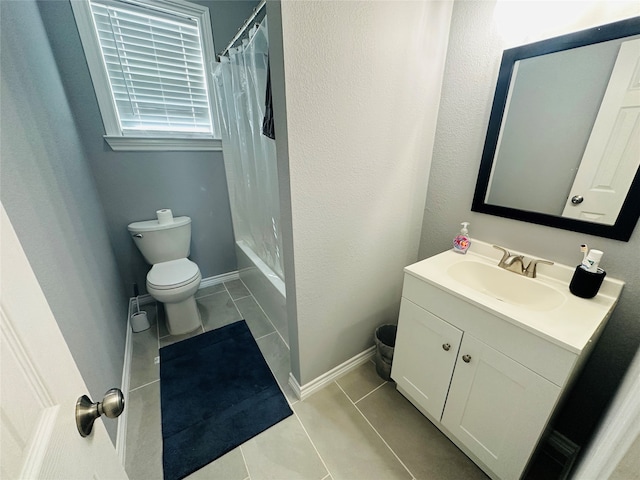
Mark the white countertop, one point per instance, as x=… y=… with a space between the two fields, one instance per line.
x=569 y=325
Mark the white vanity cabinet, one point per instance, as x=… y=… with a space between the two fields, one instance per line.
x=488 y=385
x=424 y=357
x=497 y=407
x=487 y=354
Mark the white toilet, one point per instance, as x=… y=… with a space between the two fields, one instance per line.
x=173 y=278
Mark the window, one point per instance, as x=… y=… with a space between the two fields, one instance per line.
x=148 y=61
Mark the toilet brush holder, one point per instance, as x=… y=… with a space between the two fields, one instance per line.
x=139 y=320
x=586 y=284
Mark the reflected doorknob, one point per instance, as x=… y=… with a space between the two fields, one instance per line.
x=112 y=406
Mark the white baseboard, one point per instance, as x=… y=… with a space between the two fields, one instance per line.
x=145 y=299
x=121 y=437
x=204 y=283
x=313 y=386
x=225 y=277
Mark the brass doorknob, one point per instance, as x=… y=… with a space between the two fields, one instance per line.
x=446 y=347
x=466 y=358
x=112 y=406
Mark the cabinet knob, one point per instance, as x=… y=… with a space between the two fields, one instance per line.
x=466 y=358
x=446 y=347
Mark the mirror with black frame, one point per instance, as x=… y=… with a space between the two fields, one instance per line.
x=563 y=142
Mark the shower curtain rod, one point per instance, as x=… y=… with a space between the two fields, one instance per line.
x=244 y=26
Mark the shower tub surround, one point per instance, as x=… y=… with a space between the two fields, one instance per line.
x=267 y=287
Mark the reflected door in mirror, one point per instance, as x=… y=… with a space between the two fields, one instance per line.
x=612 y=155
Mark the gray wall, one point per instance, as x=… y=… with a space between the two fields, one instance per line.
x=133 y=185
x=470 y=75
x=49 y=193
x=70 y=197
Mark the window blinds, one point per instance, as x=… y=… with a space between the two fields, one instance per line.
x=155 y=65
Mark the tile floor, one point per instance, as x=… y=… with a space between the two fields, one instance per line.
x=358 y=427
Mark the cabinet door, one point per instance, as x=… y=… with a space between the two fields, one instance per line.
x=424 y=357
x=497 y=407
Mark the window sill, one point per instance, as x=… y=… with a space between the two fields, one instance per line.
x=148 y=144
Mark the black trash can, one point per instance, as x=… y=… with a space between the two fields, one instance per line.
x=385 y=338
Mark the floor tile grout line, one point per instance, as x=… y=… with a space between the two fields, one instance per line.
x=271 y=322
x=142 y=386
x=229 y=292
x=313 y=444
x=375 y=430
x=264 y=336
x=157 y=325
x=275 y=330
x=372 y=391
x=232 y=299
x=249 y=294
x=241 y=298
x=198 y=297
x=260 y=307
x=273 y=372
x=267 y=316
x=226 y=289
x=377 y=433
x=237 y=309
x=246 y=466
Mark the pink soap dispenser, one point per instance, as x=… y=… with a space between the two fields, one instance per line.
x=462 y=242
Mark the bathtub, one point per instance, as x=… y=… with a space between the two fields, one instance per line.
x=267 y=288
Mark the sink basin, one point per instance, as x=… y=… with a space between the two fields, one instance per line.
x=542 y=306
x=506 y=286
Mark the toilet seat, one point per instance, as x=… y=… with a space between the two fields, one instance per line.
x=172 y=274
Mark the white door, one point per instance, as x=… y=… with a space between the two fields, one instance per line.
x=425 y=354
x=497 y=408
x=612 y=156
x=40 y=384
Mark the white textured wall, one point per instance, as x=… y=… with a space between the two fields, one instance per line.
x=475 y=49
x=362 y=84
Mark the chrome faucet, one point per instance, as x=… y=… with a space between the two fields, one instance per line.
x=531 y=270
x=515 y=263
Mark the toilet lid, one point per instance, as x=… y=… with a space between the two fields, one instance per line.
x=172 y=274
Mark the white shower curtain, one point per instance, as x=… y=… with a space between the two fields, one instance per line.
x=249 y=156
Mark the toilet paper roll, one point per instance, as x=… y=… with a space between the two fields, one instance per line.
x=164 y=216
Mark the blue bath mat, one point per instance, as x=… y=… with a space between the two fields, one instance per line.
x=216 y=392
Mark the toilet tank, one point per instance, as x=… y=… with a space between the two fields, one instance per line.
x=162 y=242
